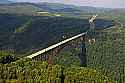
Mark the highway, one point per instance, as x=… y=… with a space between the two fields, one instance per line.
x=55 y=45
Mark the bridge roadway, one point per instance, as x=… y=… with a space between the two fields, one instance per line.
x=55 y=45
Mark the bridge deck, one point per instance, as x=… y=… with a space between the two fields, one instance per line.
x=55 y=45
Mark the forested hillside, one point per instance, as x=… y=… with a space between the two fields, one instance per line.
x=107 y=53
x=27 y=71
x=24 y=30
x=24 y=34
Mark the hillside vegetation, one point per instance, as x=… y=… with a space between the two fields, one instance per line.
x=26 y=34
x=107 y=53
x=26 y=70
x=18 y=8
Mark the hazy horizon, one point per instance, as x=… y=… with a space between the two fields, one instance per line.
x=94 y=3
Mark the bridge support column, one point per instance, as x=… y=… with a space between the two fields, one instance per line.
x=82 y=55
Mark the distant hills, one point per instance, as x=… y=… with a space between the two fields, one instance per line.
x=57 y=7
x=26 y=7
x=19 y=8
x=5 y=1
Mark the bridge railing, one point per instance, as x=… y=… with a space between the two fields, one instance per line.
x=55 y=45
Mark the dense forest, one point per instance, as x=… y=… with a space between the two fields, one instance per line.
x=107 y=53
x=26 y=70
